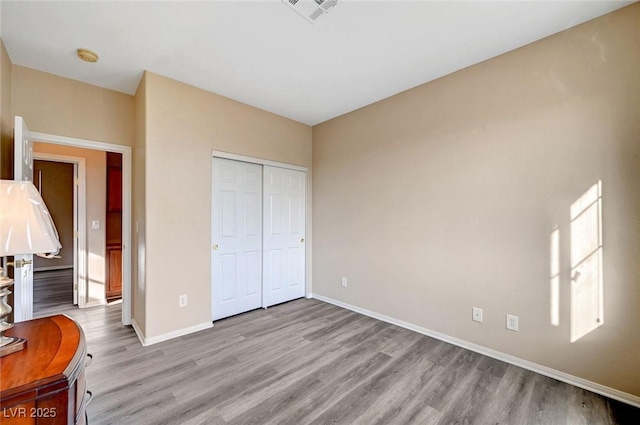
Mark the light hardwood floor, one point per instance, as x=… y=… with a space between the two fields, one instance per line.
x=308 y=362
x=52 y=288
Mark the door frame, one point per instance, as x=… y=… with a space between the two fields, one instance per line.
x=260 y=161
x=23 y=278
x=126 y=204
x=308 y=223
x=79 y=221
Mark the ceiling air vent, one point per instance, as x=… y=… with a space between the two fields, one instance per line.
x=310 y=9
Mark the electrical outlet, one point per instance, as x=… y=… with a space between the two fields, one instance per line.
x=512 y=322
x=344 y=282
x=95 y=224
x=477 y=314
x=182 y=300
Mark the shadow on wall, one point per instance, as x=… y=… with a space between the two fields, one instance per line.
x=587 y=283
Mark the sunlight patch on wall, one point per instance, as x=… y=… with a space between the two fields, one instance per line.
x=555 y=277
x=96 y=285
x=587 y=306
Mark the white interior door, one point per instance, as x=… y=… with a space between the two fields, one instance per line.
x=236 y=259
x=23 y=272
x=284 y=235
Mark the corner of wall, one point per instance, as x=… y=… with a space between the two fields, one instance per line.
x=138 y=291
x=6 y=114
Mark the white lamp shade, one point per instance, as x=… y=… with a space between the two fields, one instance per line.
x=26 y=227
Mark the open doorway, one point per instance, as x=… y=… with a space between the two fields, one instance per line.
x=23 y=169
x=83 y=190
x=113 y=229
x=93 y=291
x=55 y=280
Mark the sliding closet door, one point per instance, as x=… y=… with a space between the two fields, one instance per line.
x=284 y=233
x=236 y=237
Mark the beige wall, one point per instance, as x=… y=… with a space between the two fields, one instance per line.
x=96 y=192
x=6 y=115
x=444 y=197
x=183 y=125
x=55 y=182
x=56 y=105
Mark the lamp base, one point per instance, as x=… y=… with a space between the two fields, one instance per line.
x=11 y=345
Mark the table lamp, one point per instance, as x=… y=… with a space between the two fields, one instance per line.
x=26 y=227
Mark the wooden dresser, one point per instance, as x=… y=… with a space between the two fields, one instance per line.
x=45 y=383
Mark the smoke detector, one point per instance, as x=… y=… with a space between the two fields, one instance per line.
x=310 y=9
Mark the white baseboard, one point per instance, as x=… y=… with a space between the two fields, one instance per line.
x=525 y=364
x=169 y=335
x=138 y=331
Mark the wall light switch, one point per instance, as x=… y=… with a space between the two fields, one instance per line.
x=95 y=224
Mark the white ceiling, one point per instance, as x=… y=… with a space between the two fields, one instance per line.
x=263 y=54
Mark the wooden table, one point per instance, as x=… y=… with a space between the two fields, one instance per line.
x=45 y=383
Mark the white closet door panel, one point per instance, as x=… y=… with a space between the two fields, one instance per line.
x=284 y=234
x=229 y=277
x=296 y=268
x=253 y=273
x=236 y=237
